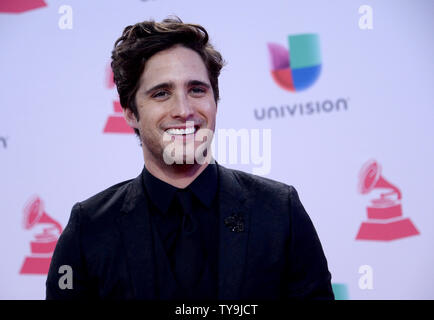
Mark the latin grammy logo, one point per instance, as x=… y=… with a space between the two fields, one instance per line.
x=115 y=123
x=19 y=6
x=42 y=247
x=385 y=219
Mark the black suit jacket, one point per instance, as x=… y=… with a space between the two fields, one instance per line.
x=276 y=254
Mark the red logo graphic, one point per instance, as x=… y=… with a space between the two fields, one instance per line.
x=115 y=123
x=385 y=220
x=42 y=247
x=19 y=6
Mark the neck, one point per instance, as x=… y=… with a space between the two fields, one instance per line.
x=177 y=175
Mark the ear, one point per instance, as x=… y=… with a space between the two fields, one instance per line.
x=130 y=118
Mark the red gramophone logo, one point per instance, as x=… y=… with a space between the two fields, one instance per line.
x=19 y=6
x=385 y=220
x=115 y=123
x=42 y=247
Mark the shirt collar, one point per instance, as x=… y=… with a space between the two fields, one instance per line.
x=204 y=187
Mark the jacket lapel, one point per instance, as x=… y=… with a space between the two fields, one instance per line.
x=234 y=232
x=135 y=226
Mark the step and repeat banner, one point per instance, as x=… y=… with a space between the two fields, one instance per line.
x=335 y=98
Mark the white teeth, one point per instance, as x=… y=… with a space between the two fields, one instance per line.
x=188 y=130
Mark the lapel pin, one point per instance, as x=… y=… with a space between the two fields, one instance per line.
x=235 y=223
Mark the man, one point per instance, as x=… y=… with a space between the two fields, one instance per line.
x=186 y=227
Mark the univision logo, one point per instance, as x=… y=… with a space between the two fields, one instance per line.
x=299 y=67
x=295 y=70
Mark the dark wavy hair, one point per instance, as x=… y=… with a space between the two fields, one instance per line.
x=141 y=41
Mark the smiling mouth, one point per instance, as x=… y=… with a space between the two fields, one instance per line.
x=182 y=131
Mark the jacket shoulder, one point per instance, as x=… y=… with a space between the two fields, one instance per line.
x=258 y=184
x=108 y=200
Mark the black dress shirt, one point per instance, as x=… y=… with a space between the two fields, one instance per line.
x=167 y=222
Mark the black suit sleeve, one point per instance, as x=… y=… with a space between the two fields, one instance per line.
x=68 y=253
x=309 y=277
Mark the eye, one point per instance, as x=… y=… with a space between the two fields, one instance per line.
x=160 y=94
x=198 y=90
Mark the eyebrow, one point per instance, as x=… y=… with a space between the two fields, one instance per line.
x=170 y=85
x=198 y=83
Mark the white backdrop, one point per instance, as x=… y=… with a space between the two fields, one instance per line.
x=55 y=103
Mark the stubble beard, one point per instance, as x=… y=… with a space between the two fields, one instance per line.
x=154 y=150
x=191 y=153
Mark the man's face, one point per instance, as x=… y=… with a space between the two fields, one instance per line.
x=175 y=99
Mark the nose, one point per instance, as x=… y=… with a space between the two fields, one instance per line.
x=182 y=107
